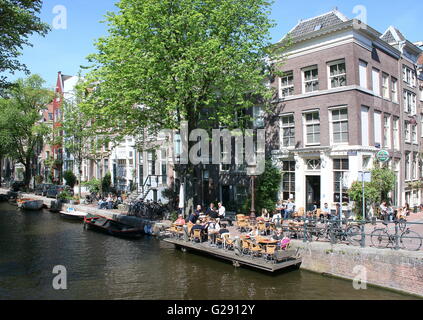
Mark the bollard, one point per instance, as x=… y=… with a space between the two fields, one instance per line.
x=363 y=236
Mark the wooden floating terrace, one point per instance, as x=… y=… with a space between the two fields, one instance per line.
x=237 y=260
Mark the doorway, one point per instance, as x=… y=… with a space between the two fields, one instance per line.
x=312 y=192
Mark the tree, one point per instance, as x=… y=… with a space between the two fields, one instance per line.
x=18 y=21
x=106 y=183
x=78 y=133
x=70 y=178
x=173 y=60
x=20 y=120
x=375 y=191
x=267 y=188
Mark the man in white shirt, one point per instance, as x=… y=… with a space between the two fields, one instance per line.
x=221 y=210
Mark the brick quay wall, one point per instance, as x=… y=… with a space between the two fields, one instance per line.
x=398 y=270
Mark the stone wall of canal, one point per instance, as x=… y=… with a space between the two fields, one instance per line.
x=393 y=269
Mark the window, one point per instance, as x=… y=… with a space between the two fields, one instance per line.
x=337 y=74
x=313 y=164
x=288 y=131
x=394 y=89
x=414 y=133
x=385 y=86
x=286 y=85
x=364 y=126
x=340 y=125
x=416 y=166
x=395 y=129
x=363 y=74
x=407 y=129
x=407 y=166
x=312 y=128
x=288 y=180
x=311 y=79
x=366 y=162
x=50 y=116
x=376 y=82
x=258 y=116
x=387 y=131
x=340 y=167
x=409 y=76
x=378 y=127
x=410 y=102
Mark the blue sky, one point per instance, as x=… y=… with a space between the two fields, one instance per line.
x=66 y=50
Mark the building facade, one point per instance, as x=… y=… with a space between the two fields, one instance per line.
x=346 y=92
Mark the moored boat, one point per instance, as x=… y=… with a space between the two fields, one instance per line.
x=112 y=227
x=71 y=213
x=30 y=204
x=3 y=197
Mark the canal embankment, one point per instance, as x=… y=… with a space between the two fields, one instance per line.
x=398 y=270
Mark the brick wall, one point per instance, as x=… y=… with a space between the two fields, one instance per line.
x=399 y=270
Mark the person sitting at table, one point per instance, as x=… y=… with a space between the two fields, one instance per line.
x=199 y=211
x=265 y=214
x=102 y=204
x=254 y=232
x=198 y=226
x=180 y=221
x=223 y=229
x=213 y=229
x=278 y=235
x=212 y=212
x=193 y=217
x=326 y=212
x=277 y=217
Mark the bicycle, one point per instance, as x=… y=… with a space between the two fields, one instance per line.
x=408 y=240
x=335 y=233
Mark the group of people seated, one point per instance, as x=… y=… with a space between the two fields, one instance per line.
x=111 y=202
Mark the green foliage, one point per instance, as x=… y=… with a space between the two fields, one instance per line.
x=106 y=183
x=70 y=178
x=267 y=188
x=39 y=179
x=18 y=21
x=93 y=185
x=180 y=59
x=375 y=191
x=65 y=195
x=20 y=114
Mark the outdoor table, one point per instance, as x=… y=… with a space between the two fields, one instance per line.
x=266 y=242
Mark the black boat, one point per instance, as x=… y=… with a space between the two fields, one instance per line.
x=112 y=227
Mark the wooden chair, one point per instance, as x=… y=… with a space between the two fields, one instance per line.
x=270 y=253
x=228 y=242
x=196 y=235
x=219 y=240
x=245 y=246
x=256 y=250
x=189 y=225
x=242 y=226
x=300 y=212
x=262 y=227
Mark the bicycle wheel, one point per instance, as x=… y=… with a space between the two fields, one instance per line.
x=410 y=240
x=354 y=235
x=380 y=238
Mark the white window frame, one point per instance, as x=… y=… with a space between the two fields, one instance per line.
x=407 y=169
x=387 y=142
x=304 y=81
x=289 y=126
x=394 y=89
x=407 y=132
x=385 y=86
x=312 y=122
x=331 y=121
x=287 y=87
x=396 y=131
x=376 y=81
x=334 y=63
x=414 y=134
x=362 y=65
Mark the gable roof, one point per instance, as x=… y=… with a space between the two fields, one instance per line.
x=392 y=35
x=323 y=21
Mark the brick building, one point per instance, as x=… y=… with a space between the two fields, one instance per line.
x=347 y=91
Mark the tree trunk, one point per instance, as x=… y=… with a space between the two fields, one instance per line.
x=1 y=168
x=79 y=180
x=28 y=173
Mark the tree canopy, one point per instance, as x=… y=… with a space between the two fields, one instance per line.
x=20 y=120
x=18 y=20
x=172 y=60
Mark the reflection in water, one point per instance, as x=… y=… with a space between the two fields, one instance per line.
x=103 y=267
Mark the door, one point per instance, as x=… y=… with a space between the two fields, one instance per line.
x=312 y=192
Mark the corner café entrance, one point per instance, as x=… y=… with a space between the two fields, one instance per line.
x=312 y=192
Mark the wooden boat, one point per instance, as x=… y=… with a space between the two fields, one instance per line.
x=71 y=213
x=112 y=227
x=30 y=204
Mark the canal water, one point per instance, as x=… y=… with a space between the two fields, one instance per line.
x=104 y=267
